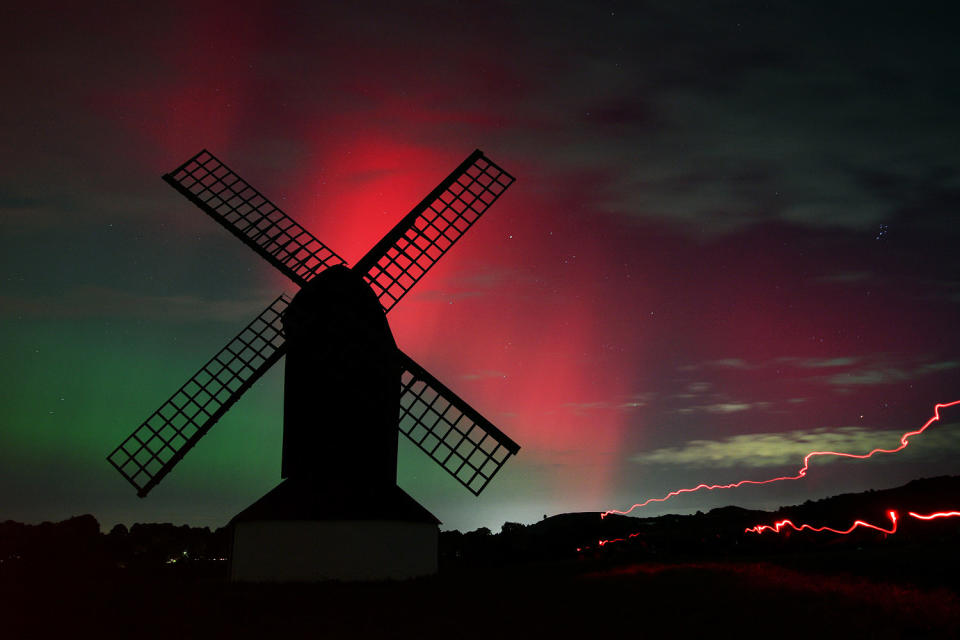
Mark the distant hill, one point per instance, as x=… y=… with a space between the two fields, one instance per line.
x=923 y=495
x=717 y=533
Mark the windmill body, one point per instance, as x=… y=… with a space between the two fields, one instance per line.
x=349 y=391
x=341 y=385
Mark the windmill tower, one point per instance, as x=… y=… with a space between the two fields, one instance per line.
x=338 y=513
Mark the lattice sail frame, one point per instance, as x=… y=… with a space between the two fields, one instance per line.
x=152 y=450
x=449 y=430
x=252 y=217
x=445 y=427
x=420 y=239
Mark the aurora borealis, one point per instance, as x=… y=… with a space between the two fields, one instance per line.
x=732 y=239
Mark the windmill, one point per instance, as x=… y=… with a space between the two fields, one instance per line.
x=338 y=512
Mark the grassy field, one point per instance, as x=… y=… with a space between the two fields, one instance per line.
x=582 y=598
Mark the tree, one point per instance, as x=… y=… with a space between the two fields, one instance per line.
x=510 y=528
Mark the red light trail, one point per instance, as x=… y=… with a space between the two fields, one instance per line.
x=781 y=525
x=941 y=514
x=602 y=543
x=777 y=527
x=904 y=441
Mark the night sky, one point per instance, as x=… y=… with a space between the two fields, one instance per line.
x=732 y=239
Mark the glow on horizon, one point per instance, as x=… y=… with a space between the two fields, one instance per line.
x=904 y=441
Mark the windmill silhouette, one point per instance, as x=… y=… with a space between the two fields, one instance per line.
x=338 y=513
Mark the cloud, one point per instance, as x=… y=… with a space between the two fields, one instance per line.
x=869 y=377
x=777 y=449
x=723 y=363
x=745 y=124
x=582 y=407
x=715 y=402
x=880 y=372
x=818 y=363
x=935 y=367
x=724 y=407
x=888 y=375
x=636 y=401
x=475 y=282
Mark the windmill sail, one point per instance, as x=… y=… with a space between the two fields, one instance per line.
x=408 y=251
x=249 y=215
x=156 y=446
x=449 y=430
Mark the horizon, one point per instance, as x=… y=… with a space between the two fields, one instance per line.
x=496 y=531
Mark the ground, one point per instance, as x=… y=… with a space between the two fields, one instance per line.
x=585 y=597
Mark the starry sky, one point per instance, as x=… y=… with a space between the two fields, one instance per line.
x=731 y=240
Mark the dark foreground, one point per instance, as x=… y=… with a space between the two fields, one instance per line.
x=673 y=576
x=577 y=598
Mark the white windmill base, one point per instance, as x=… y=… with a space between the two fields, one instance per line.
x=305 y=531
x=350 y=550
